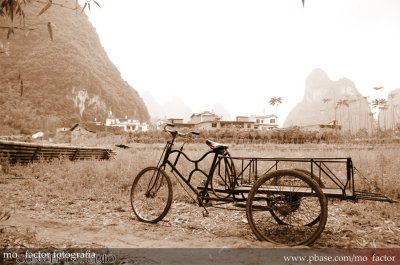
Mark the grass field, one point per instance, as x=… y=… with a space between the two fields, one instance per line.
x=42 y=186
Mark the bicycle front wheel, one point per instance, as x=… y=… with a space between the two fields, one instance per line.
x=151 y=195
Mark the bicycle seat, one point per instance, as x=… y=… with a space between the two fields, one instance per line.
x=217 y=147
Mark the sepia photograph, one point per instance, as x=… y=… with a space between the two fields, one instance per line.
x=199 y=132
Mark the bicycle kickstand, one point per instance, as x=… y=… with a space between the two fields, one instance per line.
x=205 y=212
x=201 y=204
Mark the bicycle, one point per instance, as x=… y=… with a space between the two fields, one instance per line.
x=151 y=192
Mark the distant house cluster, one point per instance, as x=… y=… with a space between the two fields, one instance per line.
x=127 y=125
x=207 y=121
x=332 y=126
x=84 y=133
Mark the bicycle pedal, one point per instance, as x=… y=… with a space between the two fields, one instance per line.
x=205 y=214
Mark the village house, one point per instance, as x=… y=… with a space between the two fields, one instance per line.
x=208 y=121
x=261 y=122
x=128 y=125
x=204 y=116
x=332 y=126
x=175 y=120
x=81 y=135
x=81 y=132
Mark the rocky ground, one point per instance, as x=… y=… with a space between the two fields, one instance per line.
x=52 y=220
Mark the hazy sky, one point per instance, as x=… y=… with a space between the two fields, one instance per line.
x=241 y=53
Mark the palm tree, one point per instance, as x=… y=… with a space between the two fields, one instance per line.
x=396 y=116
x=351 y=121
x=381 y=104
x=376 y=103
x=371 y=118
x=359 y=117
x=392 y=110
x=339 y=104
x=368 y=116
x=275 y=101
x=326 y=100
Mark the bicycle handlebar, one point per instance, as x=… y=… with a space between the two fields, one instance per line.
x=175 y=132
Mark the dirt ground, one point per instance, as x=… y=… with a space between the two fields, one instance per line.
x=57 y=222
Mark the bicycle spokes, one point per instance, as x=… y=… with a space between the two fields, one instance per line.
x=151 y=195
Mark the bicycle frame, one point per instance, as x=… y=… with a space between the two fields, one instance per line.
x=165 y=161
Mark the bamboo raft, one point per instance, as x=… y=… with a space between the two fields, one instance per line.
x=23 y=153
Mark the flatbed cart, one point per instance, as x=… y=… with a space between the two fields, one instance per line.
x=286 y=199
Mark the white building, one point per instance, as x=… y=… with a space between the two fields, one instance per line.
x=261 y=122
x=128 y=125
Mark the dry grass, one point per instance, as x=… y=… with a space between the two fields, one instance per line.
x=111 y=180
x=60 y=186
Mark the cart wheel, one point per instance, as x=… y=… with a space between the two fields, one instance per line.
x=224 y=177
x=281 y=206
x=151 y=195
x=296 y=199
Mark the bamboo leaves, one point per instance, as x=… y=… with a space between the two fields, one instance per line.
x=21 y=84
x=84 y=7
x=4 y=215
x=47 y=6
x=96 y=3
x=10 y=9
x=4 y=48
x=87 y=4
x=50 y=30
x=9 y=32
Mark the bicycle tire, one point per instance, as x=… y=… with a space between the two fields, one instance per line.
x=151 y=195
x=296 y=198
x=223 y=178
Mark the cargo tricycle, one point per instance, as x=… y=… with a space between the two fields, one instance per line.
x=286 y=199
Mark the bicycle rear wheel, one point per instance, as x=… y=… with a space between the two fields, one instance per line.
x=151 y=195
x=224 y=177
x=281 y=206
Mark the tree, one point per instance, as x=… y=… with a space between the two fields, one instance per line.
x=275 y=101
x=339 y=104
x=13 y=10
x=392 y=108
x=369 y=116
x=381 y=104
x=326 y=100
x=350 y=117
